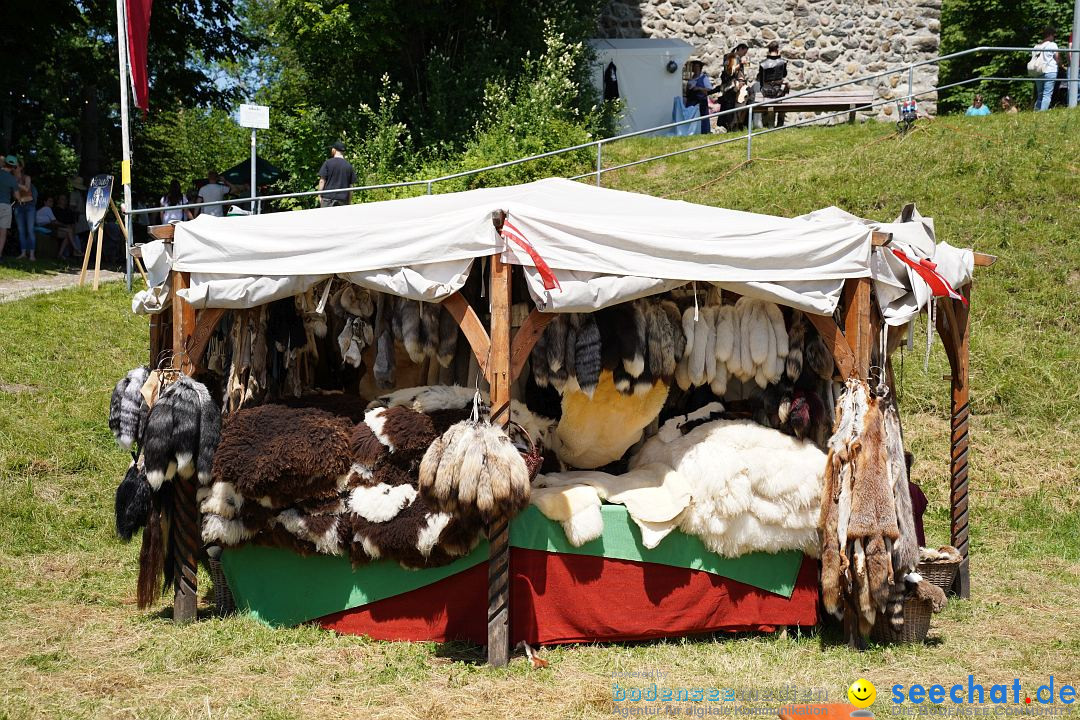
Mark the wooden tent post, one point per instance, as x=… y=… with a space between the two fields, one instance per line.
x=499 y=379
x=954 y=326
x=185 y=520
x=860 y=334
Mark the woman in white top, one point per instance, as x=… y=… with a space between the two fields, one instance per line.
x=175 y=197
x=1044 y=88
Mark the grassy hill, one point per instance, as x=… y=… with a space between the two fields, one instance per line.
x=73 y=644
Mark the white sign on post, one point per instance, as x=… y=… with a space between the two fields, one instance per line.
x=256 y=117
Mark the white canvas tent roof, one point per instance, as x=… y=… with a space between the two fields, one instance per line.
x=604 y=246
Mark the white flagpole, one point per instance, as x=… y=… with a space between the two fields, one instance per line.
x=125 y=167
x=1074 y=58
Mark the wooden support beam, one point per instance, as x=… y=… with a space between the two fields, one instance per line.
x=880 y=239
x=499 y=380
x=954 y=327
x=161 y=232
x=206 y=322
x=524 y=339
x=984 y=260
x=834 y=339
x=858 y=322
x=465 y=316
x=184 y=529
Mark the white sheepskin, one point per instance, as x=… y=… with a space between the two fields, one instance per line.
x=754 y=488
x=221 y=499
x=376 y=419
x=219 y=530
x=430 y=533
x=584 y=526
x=382 y=502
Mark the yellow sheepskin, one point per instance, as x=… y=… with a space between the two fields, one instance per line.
x=596 y=431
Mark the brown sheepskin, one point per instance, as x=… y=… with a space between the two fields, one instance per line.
x=275 y=450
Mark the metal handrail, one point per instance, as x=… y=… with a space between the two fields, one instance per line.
x=598 y=144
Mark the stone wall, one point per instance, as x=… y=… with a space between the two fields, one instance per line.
x=825 y=41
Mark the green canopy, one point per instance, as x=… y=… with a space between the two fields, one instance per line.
x=265 y=173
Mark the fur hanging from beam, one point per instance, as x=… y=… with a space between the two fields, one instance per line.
x=133 y=501
x=182 y=432
x=128 y=410
x=859 y=514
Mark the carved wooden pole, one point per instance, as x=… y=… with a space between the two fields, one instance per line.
x=185 y=514
x=499 y=379
x=954 y=326
x=859 y=331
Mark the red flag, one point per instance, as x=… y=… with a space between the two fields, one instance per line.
x=138 y=29
x=927 y=270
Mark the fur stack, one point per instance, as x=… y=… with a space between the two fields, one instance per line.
x=753 y=488
x=320 y=483
x=128 y=410
x=474 y=470
x=867 y=530
x=426 y=330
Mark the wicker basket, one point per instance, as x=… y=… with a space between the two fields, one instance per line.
x=223 y=599
x=940 y=573
x=916 y=623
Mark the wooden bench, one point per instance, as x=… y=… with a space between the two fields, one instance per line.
x=824 y=101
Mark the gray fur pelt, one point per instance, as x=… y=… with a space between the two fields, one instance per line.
x=429 y=329
x=128 y=409
x=635 y=363
x=385 y=360
x=796 y=342
x=448 y=338
x=538 y=359
x=816 y=354
x=410 y=330
x=587 y=354
x=905 y=550
x=570 y=359
x=178 y=440
x=555 y=344
x=661 y=344
x=678 y=340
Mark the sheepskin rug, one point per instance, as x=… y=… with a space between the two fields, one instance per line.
x=754 y=488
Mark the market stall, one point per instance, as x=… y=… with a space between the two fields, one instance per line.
x=702 y=397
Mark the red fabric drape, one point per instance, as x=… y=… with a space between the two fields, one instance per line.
x=138 y=30
x=561 y=598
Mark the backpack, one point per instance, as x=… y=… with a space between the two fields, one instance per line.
x=1036 y=67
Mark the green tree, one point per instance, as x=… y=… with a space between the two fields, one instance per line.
x=1017 y=23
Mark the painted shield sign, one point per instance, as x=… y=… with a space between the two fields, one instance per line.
x=97 y=199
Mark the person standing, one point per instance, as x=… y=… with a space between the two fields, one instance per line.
x=8 y=185
x=175 y=197
x=735 y=85
x=772 y=77
x=214 y=191
x=25 y=208
x=336 y=173
x=1044 y=88
x=697 y=93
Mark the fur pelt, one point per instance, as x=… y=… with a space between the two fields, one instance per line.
x=753 y=488
x=128 y=410
x=287 y=453
x=587 y=353
x=943 y=554
x=133 y=501
x=409 y=311
x=927 y=591
x=448 y=338
x=905 y=549
x=859 y=517
x=474 y=470
x=599 y=430
x=796 y=341
x=182 y=432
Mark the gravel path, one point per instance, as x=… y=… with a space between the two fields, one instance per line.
x=47 y=283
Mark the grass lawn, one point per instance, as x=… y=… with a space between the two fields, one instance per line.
x=73 y=644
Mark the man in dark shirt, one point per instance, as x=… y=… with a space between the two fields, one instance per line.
x=336 y=173
x=772 y=76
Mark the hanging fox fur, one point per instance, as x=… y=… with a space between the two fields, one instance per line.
x=385 y=359
x=678 y=344
x=128 y=409
x=634 y=354
x=796 y=341
x=448 y=338
x=176 y=441
x=725 y=333
x=133 y=502
x=411 y=334
x=475 y=470
x=556 y=343
x=905 y=550
x=429 y=329
x=708 y=317
x=817 y=357
x=587 y=354
x=569 y=364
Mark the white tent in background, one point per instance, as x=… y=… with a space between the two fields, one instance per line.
x=646 y=84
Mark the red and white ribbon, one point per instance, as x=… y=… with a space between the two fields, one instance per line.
x=509 y=232
x=927 y=270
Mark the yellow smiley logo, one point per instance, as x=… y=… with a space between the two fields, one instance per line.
x=862 y=693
